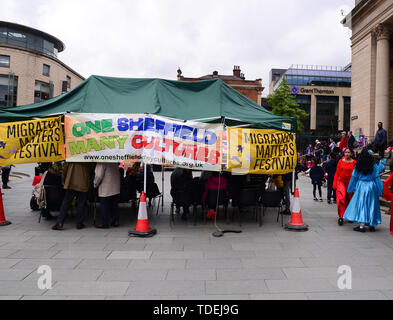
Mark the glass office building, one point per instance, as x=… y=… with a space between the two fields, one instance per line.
x=324 y=93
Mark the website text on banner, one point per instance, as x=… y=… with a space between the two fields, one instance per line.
x=153 y=139
x=261 y=151
x=31 y=141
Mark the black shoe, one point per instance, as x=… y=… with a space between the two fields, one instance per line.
x=360 y=229
x=57 y=226
x=371 y=229
x=184 y=216
x=80 y=226
x=99 y=226
x=340 y=222
x=115 y=223
x=315 y=199
x=329 y=202
x=6 y=187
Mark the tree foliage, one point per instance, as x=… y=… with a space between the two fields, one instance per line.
x=284 y=104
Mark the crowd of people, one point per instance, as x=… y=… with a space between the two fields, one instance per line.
x=353 y=178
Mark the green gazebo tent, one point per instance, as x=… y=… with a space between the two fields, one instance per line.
x=204 y=101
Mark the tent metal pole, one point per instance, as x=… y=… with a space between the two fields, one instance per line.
x=162 y=182
x=144 y=176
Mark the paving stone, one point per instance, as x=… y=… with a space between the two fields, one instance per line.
x=106 y=240
x=33 y=254
x=6 y=253
x=53 y=263
x=215 y=297
x=214 y=264
x=19 y=288
x=191 y=274
x=68 y=275
x=279 y=296
x=75 y=254
x=125 y=247
x=158 y=264
x=58 y=239
x=167 y=288
x=252 y=246
x=139 y=297
x=103 y=264
x=250 y=274
x=129 y=255
x=80 y=247
x=8 y=263
x=235 y=287
x=133 y=275
x=228 y=254
x=11 y=297
x=28 y=246
x=13 y=274
x=177 y=255
x=272 y=262
x=294 y=253
x=369 y=283
x=58 y=297
x=97 y=288
x=316 y=285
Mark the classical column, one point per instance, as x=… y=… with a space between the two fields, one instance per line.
x=340 y=113
x=313 y=113
x=382 y=76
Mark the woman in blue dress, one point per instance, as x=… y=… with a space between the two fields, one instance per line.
x=364 y=206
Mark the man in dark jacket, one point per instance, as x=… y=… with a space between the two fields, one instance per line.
x=351 y=140
x=287 y=178
x=330 y=169
x=380 y=140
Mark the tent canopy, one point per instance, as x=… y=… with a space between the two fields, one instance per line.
x=204 y=101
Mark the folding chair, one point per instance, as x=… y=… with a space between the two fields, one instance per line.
x=271 y=199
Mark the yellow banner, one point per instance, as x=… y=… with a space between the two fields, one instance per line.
x=31 y=141
x=261 y=151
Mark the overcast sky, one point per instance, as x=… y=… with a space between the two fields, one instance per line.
x=152 y=38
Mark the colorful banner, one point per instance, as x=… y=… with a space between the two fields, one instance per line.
x=153 y=139
x=31 y=141
x=261 y=151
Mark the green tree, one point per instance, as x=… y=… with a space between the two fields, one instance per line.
x=284 y=104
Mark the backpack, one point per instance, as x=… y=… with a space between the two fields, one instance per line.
x=39 y=192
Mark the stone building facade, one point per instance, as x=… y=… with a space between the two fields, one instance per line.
x=252 y=89
x=29 y=68
x=371 y=22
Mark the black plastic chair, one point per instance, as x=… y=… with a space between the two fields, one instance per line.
x=271 y=199
x=217 y=198
x=248 y=198
x=180 y=198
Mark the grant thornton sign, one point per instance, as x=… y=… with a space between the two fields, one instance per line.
x=297 y=90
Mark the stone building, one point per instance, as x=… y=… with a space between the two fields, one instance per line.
x=30 y=70
x=252 y=89
x=371 y=22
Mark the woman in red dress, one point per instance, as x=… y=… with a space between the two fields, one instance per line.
x=341 y=181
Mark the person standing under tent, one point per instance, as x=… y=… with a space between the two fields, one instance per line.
x=330 y=169
x=76 y=178
x=107 y=180
x=367 y=186
x=341 y=181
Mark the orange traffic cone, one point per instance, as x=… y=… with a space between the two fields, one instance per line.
x=142 y=226
x=3 y=221
x=296 y=223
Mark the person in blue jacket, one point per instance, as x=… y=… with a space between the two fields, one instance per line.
x=317 y=176
x=364 y=207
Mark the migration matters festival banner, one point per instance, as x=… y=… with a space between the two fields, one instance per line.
x=153 y=139
x=31 y=141
x=261 y=151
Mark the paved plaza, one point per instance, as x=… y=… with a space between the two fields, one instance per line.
x=186 y=261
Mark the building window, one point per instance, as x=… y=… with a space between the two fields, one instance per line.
x=41 y=91
x=68 y=82
x=45 y=70
x=4 y=61
x=8 y=90
x=347 y=113
x=327 y=115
